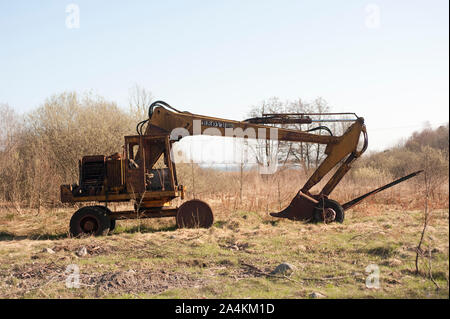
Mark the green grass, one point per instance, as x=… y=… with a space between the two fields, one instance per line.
x=214 y=263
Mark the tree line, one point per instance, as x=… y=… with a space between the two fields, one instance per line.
x=40 y=150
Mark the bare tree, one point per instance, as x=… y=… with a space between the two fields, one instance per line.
x=10 y=188
x=9 y=124
x=266 y=151
x=308 y=156
x=40 y=152
x=139 y=101
x=433 y=177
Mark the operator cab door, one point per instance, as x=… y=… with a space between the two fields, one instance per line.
x=149 y=167
x=134 y=164
x=159 y=175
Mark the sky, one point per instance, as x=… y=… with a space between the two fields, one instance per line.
x=387 y=61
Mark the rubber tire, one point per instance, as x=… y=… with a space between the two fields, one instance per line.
x=113 y=225
x=185 y=219
x=329 y=203
x=98 y=214
x=113 y=221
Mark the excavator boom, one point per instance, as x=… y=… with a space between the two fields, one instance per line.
x=341 y=150
x=163 y=120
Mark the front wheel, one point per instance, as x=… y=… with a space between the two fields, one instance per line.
x=329 y=211
x=106 y=210
x=90 y=220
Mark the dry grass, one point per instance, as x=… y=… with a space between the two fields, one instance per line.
x=154 y=259
x=228 y=260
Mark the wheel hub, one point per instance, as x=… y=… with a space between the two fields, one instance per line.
x=89 y=225
x=329 y=215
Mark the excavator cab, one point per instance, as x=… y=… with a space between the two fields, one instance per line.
x=145 y=174
x=148 y=166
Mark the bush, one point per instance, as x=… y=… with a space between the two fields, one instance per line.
x=43 y=151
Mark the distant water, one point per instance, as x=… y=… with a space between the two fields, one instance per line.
x=227 y=167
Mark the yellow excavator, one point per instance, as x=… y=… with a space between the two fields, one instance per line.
x=145 y=171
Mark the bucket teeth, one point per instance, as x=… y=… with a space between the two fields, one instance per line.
x=300 y=208
x=282 y=214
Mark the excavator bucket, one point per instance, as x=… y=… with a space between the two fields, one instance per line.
x=301 y=208
x=307 y=208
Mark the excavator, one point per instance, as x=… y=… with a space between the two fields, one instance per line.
x=145 y=174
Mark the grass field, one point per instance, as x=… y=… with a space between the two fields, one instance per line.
x=233 y=259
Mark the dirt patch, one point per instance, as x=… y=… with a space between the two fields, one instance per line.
x=38 y=275
x=143 y=281
x=235 y=246
x=194 y=263
x=93 y=249
x=31 y=276
x=382 y=251
x=37 y=271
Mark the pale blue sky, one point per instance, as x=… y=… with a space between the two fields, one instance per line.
x=219 y=58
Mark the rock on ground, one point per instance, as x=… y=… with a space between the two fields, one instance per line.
x=48 y=250
x=82 y=252
x=316 y=295
x=283 y=269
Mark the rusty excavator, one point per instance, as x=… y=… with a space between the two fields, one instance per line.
x=145 y=171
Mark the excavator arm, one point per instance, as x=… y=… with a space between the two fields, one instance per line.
x=164 y=119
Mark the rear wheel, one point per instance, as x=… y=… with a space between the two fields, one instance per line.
x=194 y=214
x=90 y=220
x=113 y=225
x=106 y=209
x=329 y=211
